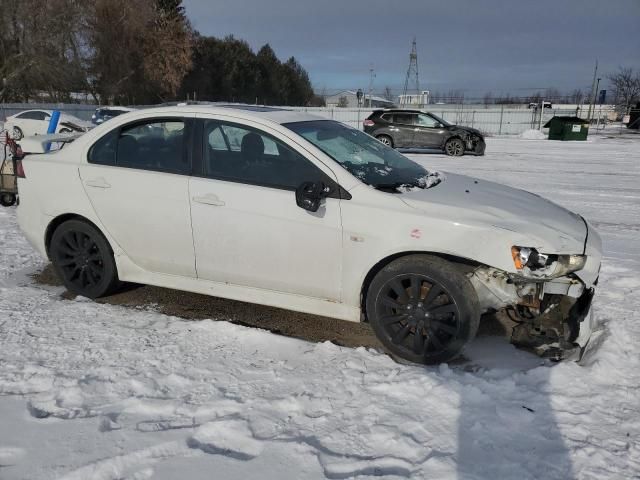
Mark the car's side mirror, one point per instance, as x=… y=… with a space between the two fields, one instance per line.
x=309 y=195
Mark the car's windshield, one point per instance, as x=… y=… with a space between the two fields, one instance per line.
x=365 y=157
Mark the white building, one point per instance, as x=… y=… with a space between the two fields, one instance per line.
x=415 y=100
x=349 y=99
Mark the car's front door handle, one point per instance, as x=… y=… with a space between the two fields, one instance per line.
x=209 y=199
x=97 y=183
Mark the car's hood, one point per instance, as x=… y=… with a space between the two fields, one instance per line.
x=471 y=200
x=459 y=128
x=74 y=120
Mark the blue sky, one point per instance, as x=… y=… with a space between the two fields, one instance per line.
x=514 y=46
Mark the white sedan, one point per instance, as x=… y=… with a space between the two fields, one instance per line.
x=36 y=122
x=286 y=209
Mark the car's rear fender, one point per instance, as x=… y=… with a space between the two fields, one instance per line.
x=51 y=191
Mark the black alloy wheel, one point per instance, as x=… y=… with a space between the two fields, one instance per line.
x=423 y=311
x=83 y=259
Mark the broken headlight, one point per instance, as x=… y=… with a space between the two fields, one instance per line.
x=531 y=263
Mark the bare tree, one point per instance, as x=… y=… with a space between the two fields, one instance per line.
x=488 y=98
x=167 y=53
x=577 y=97
x=626 y=84
x=553 y=95
x=40 y=45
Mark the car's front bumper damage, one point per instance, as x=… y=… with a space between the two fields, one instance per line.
x=475 y=144
x=552 y=318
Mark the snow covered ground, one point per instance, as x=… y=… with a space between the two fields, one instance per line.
x=95 y=391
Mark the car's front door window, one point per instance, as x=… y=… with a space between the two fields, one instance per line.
x=246 y=155
x=427 y=121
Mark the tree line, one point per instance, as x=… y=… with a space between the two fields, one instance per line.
x=133 y=52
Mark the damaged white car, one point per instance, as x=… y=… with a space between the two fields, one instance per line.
x=285 y=209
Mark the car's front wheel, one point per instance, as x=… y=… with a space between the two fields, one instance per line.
x=454 y=147
x=83 y=259
x=386 y=140
x=422 y=309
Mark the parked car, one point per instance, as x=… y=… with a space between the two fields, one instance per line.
x=103 y=114
x=36 y=122
x=417 y=129
x=290 y=210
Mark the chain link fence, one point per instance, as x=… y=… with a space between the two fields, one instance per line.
x=491 y=120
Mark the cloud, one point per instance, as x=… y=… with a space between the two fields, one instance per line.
x=478 y=46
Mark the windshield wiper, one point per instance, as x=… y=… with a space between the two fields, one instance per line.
x=394 y=186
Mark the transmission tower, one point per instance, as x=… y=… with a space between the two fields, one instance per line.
x=412 y=73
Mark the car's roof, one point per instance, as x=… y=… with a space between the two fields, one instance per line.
x=401 y=110
x=248 y=112
x=115 y=107
x=34 y=110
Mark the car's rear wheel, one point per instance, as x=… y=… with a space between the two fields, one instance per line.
x=454 y=147
x=386 y=140
x=83 y=259
x=7 y=199
x=422 y=309
x=17 y=133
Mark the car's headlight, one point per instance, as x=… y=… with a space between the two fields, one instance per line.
x=530 y=263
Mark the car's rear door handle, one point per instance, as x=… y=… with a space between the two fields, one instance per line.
x=97 y=183
x=209 y=199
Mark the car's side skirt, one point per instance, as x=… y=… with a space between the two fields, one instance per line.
x=129 y=272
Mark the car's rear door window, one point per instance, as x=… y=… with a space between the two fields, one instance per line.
x=405 y=118
x=158 y=144
x=155 y=145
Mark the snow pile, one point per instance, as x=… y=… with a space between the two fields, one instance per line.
x=227 y=437
x=95 y=391
x=533 y=135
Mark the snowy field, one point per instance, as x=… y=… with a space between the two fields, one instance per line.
x=96 y=391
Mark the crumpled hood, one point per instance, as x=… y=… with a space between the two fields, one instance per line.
x=468 y=200
x=461 y=129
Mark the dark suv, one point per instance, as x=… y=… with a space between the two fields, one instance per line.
x=417 y=129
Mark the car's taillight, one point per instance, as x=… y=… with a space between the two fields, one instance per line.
x=20 y=169
x=368 y=123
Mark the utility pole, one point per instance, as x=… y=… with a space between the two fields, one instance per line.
x=592 y=98
x=372 y=75
x=595 y=96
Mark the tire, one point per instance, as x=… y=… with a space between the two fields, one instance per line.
x=65 y=130
x=7 y=199
x=17 y=133
x=400 y=303
x=83 y=259
x=454 y=147
x=386 y=140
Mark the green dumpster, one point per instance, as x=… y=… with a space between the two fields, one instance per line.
x=567 y=128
